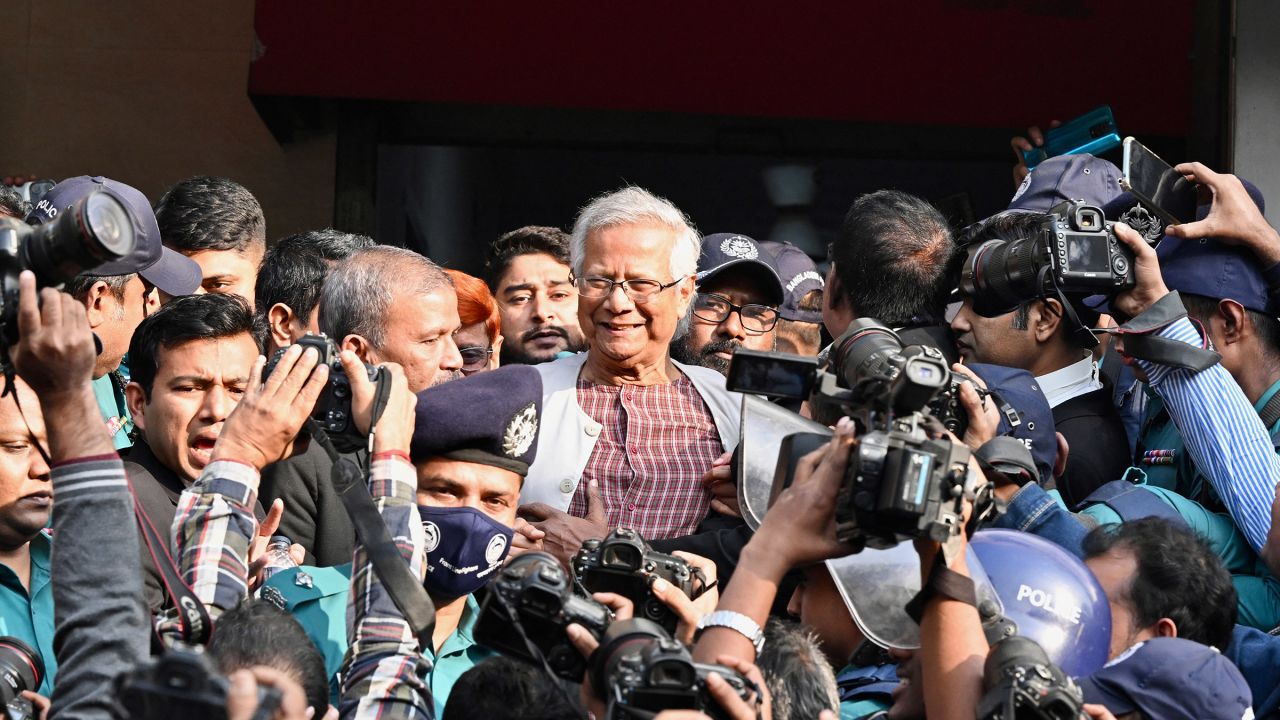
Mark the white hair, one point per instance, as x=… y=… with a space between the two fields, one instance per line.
x=634 y=205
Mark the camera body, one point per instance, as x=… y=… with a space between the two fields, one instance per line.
x=333 y=408
x=532 y=599
x=182 y=683
x=1074 y=250
x=1021 y=682
x=97 y=229
x=901 y=483
x=623 y=563
x=640 y=671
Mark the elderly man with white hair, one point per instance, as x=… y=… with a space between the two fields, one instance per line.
x=628 y=434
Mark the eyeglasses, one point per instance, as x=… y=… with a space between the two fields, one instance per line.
x=475 y=357
x=717 y=308
x=640 y=290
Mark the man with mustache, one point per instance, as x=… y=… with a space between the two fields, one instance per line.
x=737 y=303
x=527 y=271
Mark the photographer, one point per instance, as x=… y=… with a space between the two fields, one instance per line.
x=119 y=295
x=1044 y=337
x=385 y=304
x=100 y=619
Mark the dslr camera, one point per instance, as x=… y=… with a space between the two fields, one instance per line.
x=1073 y=251
x=905 y=479
x=20 y=669
x=639 y=671
x=623 y=563
x=333 y=408
x=1020 y=682
x=528 y=607
x=97 y=229
x=182 y=683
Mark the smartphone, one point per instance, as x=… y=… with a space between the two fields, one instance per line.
x=1093 y=133
x=1159 y=187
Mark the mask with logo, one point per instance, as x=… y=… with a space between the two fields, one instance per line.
x=464 y=548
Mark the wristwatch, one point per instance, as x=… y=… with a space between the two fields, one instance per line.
x=735 y=621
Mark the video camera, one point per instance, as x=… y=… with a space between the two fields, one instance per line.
x=529 y=605
x=905 y=478
x=1020 y=682
x=624 y=564
x=97 y=229
x=182 y=683
x=1074 y=250
x=639 y=671
x=333 y=408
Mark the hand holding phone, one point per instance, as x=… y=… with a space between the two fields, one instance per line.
x=1233 y=216
x=1161 y=189
x=1093 y=133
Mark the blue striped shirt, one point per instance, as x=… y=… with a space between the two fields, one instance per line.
x=1223 y=433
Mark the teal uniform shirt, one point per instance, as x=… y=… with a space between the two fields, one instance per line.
x=29 y=617
x=317 y=598
x=459 y=653
x=109 y=391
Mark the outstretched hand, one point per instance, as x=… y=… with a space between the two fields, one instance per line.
x=262 y=427
x=1233 y=217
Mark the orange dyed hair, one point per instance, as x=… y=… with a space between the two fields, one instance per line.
x=476 y=303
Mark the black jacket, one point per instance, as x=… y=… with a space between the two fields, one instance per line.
x=1099 y=447
x=156 y=489
x=313 y=513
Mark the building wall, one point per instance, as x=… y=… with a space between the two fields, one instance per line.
x=1256 y=132
x=150 y=92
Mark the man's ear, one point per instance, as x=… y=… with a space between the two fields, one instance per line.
x=360 y=346
x=136 y=399
x=1046 y=318
x=1231 y=315
x=1165 y=627
x=100 y=304
x=279 y=318
x=686 y=289
x=833 y=292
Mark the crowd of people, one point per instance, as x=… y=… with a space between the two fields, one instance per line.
x=322 y=477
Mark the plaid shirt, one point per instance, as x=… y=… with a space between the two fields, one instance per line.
x=656 y=443
x=383 y=672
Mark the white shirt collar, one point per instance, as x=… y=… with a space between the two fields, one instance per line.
x=1071 y=381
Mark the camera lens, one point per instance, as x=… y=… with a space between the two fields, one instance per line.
x=998 y=275
x=20 y=669
x=95 y=230
x=864 y=350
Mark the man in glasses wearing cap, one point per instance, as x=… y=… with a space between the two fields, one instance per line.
x=736 y=305
x=118 y=295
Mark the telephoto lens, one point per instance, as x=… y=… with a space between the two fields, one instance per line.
x=95 y=230
x=20 y=669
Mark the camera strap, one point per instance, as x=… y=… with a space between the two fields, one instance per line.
x=402 y=585
x=942 y=581
x=1082 y=334
x=193 y=619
